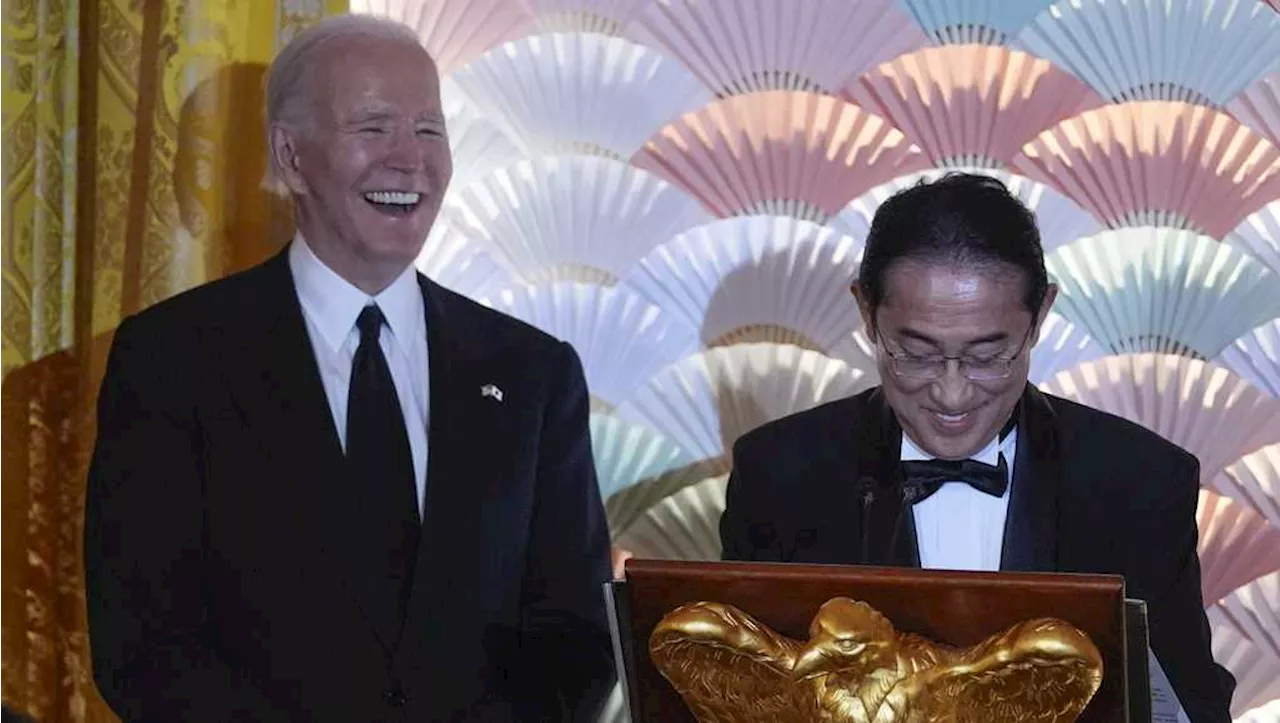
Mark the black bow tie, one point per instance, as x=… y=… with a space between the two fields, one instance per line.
x=924 y=477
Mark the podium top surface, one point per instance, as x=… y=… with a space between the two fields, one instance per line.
x=673 y=571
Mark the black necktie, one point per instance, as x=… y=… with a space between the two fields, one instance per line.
x=380 y=460
x=924 y=477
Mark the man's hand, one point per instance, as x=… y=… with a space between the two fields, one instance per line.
x=620 y=557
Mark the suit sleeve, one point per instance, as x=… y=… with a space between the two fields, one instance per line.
x=733 y=527
x=564 y=630
x=746 y=534
x=154 y=652
x=1179 y=628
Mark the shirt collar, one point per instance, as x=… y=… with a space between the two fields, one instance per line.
x=990 y=454
x=334 y=303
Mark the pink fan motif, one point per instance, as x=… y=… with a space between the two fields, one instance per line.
x=1259 y=107
x=1237 y=546
x=1254 y=611
x=1252 y=663
x=604 y=17
x=455 y=32
x=1198 y=405
x=779 y=153
x=1158 y=164
x=1256 y=357
x=1259 y=235
x=1059 y=219
x=745 y=46
x=1254 y=481
x=971 y=105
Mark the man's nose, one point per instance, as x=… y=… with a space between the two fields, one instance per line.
x=951 y=390
x=405 y=153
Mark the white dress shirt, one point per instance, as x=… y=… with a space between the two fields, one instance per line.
x=959 y=527
x=330 y=306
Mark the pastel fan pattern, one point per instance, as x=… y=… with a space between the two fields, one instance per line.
x=1259 y=107
x=621 y=338
x=473 y=136
x=755 y=278
x=455 y=31
x=1060 y=219
x=709 y=399
x=582 y=218
x=1256 y=357
x=1246 y=638
x=1198 y=405
x=1237 y=546
x=1163 y=290
x=1251 y=663
x=780 y=152
x=604 y=17
x=990 y=22
x=1198 y=52
x=1157 y=163
x=971 y=104
x=1259 y=234
x=1254 y=481
x=580 y=93
x=682 y=190
x=744 y=46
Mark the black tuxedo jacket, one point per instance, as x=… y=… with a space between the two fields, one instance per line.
x=1091 y=493
x=224 y=583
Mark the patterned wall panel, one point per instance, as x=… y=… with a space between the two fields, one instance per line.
x=681 y=189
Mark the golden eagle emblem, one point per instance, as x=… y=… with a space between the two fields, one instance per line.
x=856 y=668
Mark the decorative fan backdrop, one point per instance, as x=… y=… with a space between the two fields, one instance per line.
x=682 y=188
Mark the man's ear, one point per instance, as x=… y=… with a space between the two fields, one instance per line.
x=284 y=158
x=865 y=310
x=1051 y=293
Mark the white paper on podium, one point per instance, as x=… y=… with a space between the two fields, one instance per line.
x=1165 y=707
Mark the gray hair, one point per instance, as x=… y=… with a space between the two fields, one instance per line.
x=288 y=78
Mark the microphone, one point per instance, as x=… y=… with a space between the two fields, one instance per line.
x=867 y=486
x=870 y=491
x=909 y=495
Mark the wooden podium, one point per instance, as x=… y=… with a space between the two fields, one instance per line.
x=955 y=608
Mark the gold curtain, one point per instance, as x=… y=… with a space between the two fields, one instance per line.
x=133 y=153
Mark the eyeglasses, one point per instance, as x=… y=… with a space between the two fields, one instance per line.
x=933 y=367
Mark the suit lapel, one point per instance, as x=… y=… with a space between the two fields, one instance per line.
x=1031 y=525
x=285 y=397
x=463 y=425
x=888 y=525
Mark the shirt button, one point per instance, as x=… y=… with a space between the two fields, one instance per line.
x=395 y=698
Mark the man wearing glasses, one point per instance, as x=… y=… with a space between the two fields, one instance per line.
x=955 y=461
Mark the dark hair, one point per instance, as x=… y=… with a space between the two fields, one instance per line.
x=963 y=220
